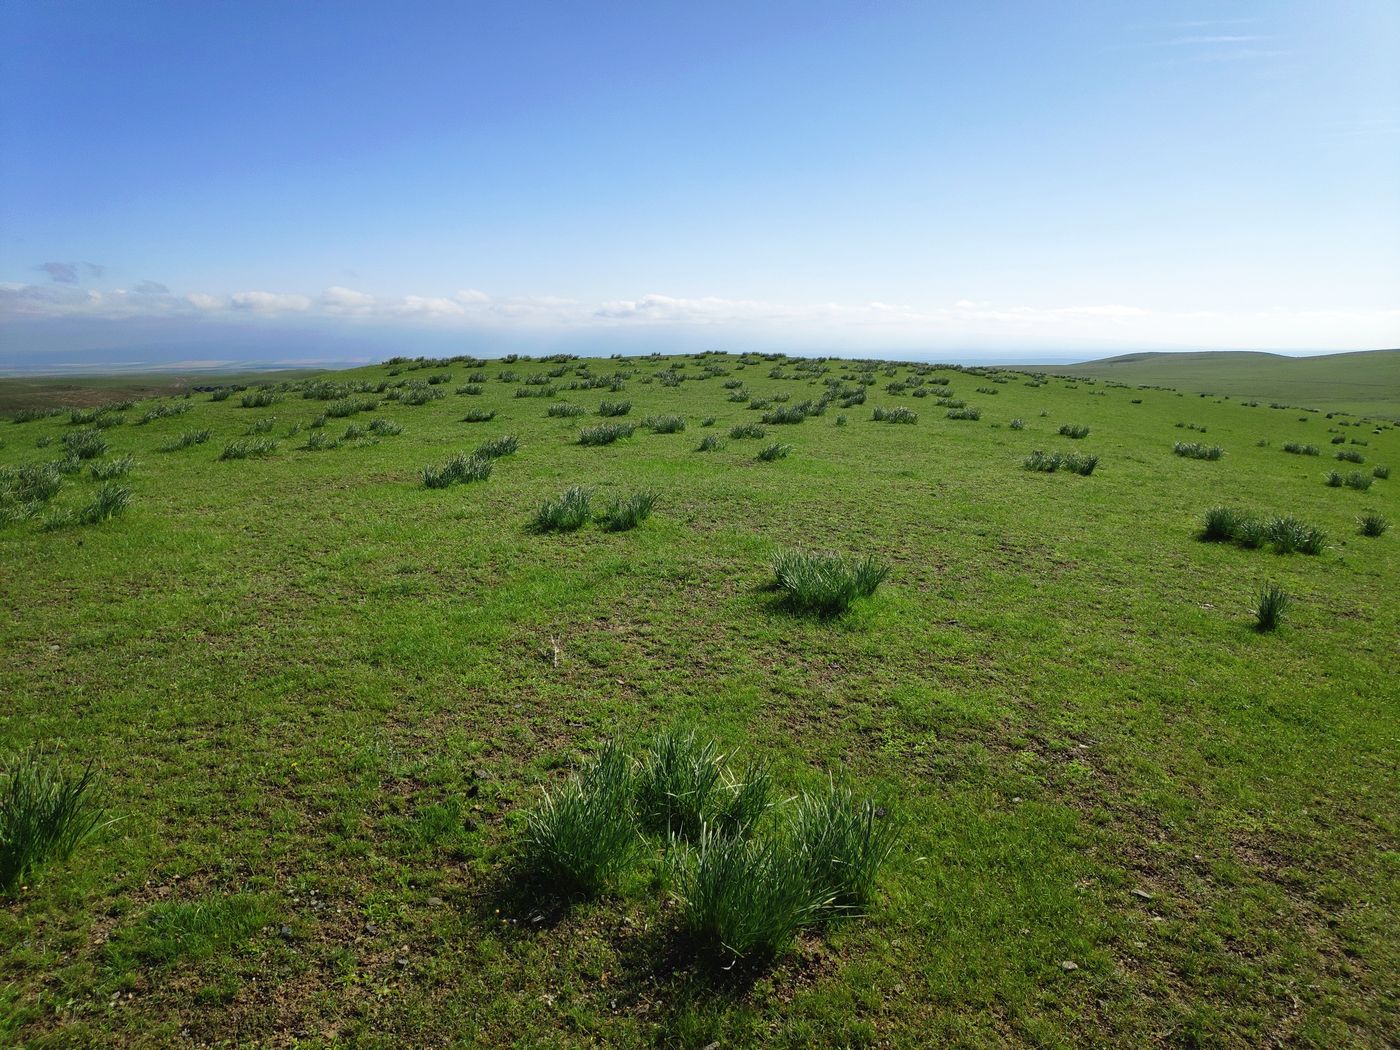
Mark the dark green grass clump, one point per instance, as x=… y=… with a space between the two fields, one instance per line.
x=1286 y=533
x=1380 y=472
x=566 y=513
x=461 y=469
x=965 y=413
x=1298 y=449
x=1074 y=430
x=1348 y=455
x=258 y=399
x=1049 y=462
x=45 y=814
x=188 y=439
x=614 y=408
x=845 y=841
x=249 y=449
x=564 y=410
x=665 y=424
x=898 y=414
x=627 y=512
x=826 y=584
x=1196 y=450
x=775 y=450
x=496 y=448
x=479 y=415
x=710 y=443
x=109 y=501
x=582 y=836
x=1269 y=607
x=746 y=430
x=1373 y=523
x=784 y=415
x=604 y=433
x=85 y=444
x=110 y=470
x=685 y=785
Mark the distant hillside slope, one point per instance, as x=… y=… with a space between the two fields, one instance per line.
x=1367 y=383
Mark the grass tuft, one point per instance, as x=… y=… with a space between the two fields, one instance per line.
x=1373 y=523
x=775 y=450
x=45 y=814
x=566 y=513
x=1271 y=604
x=627 y=512
x=826 y=584
x=582 y=836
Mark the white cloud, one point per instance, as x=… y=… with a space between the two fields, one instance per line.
x=268 y=302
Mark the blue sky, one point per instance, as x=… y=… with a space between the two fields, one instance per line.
x=1007 y=180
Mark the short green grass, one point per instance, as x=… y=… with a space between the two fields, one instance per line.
x=323 y=700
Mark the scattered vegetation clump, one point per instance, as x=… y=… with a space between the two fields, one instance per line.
x=1074 y=430
x=710 y=443
x=1196 y=450
x=1288 y=534
x=186 y=440
x=1049 y=462
x=773 y=451
x=1348 y=455
x=566 y=513
x=1298 y=449
x=614 y=408
x=898 y=414
x=1017 y=424
x=385 y=427
x=479 y=415
x=264 y=426
x=826 y=584
x=259 y=399
x=665 y=424
x=1373 y=523
x=1270 y=605
x=1357 y=480
x=627 y=512
x=23 y=490
x=564 y=410
x=460 y=469
x=165 y=411
x=746 y=430
x=84 y=444
x=109 y=501
x=29 y=415
x=471 y=389
x=844 y=842
x=249 y=449
x=964 y=413
x=319 y=441
x=112 y=469
x=1380 y=472
x=685 y=785
x=582 y=836
x=604 y=433
x=784 y=415
x=45 y=814
x=505 y=445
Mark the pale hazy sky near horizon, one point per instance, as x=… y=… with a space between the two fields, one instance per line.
x=279 y=182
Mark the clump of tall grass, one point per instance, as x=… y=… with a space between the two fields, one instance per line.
x=479 y=415
x=681 y=786
x=1373 y=523
x=1380 y=472
x=84 y=444
x=249 y=449
x=1270 y=605
x=1299 y=449
x=964 y=413
x=259 y=399
x=261 y=426
x=1017 y=424
x=109 y=501
x=1332 y=479
x=45 y=814
x=1348 y=455
x=112 y=469
x=898 y=414
x=746 y=430
x=665 y=424
x=505 y=445
x=564 y=410
x=166 y=411
x=627 y=512
x=460 y=469
x=1196 y=450
x=29 y=415
x=708 y=421
x=710 y=443
x=1074 y=430
x=1357 y=480
x=614 y=408
x=385 y=427
x=604 y=433
x=319 y=441
x=826 y=584
x=1049 y=462
x=566 y=513
x=844 y=842
x=1288 y=534
x=1220 y=524
x=471 y=389
x=582 y=836
x=784 y=415
x=186 y=440
x=773 y=451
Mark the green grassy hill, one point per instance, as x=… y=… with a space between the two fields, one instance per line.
x=1366 y=383
x=322 y=698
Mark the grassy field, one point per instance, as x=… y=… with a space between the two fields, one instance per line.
x=1367 y=383
x=18 y=392
x=323 y=697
